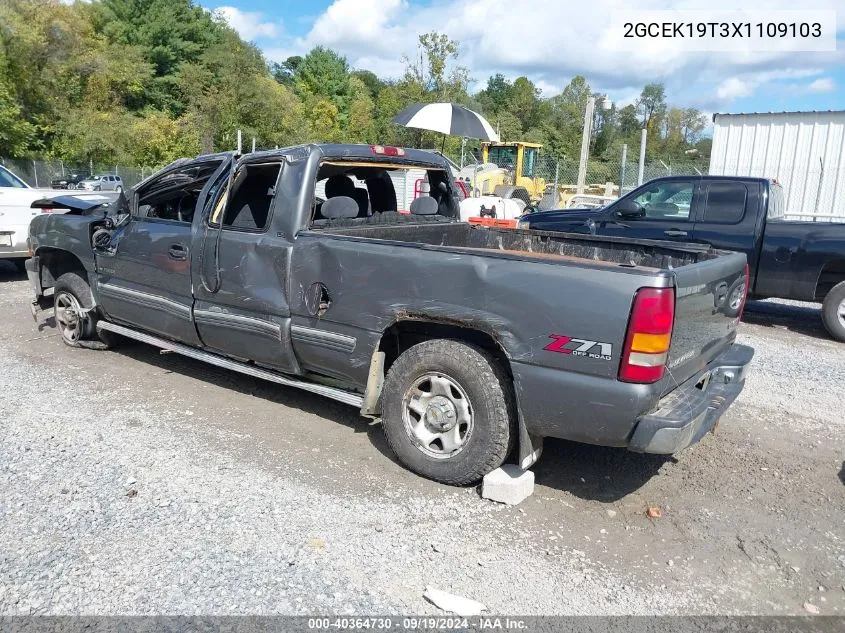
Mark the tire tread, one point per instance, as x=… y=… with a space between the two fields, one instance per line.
x=499 y=398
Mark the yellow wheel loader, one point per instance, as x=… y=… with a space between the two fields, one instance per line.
x=508 y=170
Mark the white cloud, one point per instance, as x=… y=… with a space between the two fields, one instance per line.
x=249 y=24
x=550 y=42
x=734 y=88
x=823 y=84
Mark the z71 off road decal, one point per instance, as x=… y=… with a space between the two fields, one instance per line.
x=579 y=347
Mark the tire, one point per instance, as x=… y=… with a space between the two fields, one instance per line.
x=734 y=298
x=457 y=449
x=512 y=192
x=20 y=264
x=833 y=312
x=75 y=315
x=548 y=201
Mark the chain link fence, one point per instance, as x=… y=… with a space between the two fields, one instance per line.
x=44 y=173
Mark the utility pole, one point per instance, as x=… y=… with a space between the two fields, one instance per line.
x=622 y=171
x=585 y=143
x=642 y=157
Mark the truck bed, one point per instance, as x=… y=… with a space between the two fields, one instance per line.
x=701 y=275
x=645 y=255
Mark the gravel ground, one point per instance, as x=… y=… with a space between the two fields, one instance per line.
x=137 y=483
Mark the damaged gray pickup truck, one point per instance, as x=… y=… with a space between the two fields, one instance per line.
x=470 y=343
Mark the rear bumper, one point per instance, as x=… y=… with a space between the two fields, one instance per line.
x=13 y=242
x=684 y=416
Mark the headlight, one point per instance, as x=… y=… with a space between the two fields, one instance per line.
x=523 y=224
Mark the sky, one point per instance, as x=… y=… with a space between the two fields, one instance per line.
x=550 y=41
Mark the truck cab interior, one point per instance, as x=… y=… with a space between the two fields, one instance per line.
x=353 y=193
x=174 y=197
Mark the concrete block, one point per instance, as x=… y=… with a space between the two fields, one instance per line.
x=508 y=484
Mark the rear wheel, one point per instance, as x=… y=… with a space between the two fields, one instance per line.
x=833 y=312
x=20 y=264
x=448 y=411
x=735 y=298
x=512 y=192
x=75 y=314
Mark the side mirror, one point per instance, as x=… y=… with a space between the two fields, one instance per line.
x=628 y=209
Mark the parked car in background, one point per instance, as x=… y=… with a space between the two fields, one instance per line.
x=105 y=182
x=787 y=260
x=465 y=340
x=71 y=181
x=16 y=212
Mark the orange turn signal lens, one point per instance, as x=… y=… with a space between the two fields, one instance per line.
x=650 y=343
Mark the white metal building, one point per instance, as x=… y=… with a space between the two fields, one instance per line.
x=804 y=151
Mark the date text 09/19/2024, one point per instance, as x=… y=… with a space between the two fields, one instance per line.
x=423 y=623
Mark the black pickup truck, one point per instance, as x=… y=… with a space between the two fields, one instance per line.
x=297 y=266
x=788 y=260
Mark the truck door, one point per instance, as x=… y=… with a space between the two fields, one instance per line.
x=240 y=270
x=667 y=212
x=144 y=278
x=728 y=217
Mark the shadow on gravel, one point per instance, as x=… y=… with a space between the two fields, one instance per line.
x=805 y=320
x=842 y=473
x=595 y=473
x=271 y=392
x=10 y=272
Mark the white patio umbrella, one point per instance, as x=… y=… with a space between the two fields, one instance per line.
x=446 y=118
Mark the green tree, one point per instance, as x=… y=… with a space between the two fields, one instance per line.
x=497 y=95
x=430 y=69
x=285 y=72
x=16 y=134
x=370 y=80
x=652 y=105
x=693 y=123
x=360 y=123
x=566 y=117
x=525 y=101
x=169 y=32
x=629 y=124
x=325 y=74
x=324 y=120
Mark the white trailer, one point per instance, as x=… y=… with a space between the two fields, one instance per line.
x=803 y=151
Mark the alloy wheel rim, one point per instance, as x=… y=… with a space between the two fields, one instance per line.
x=69 y=317
x=736 y=297
x=437 y=415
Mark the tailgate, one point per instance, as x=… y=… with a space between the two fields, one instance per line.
x=705 y=320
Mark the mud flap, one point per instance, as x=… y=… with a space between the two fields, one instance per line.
x=530 y=446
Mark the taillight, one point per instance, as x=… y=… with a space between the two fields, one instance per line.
x=649 y=336
x=744 y=294
x=386 y=150
x=463 y=189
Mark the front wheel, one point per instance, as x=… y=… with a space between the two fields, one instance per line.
x=833 y=312
x=448 y=411
x=75 y=314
